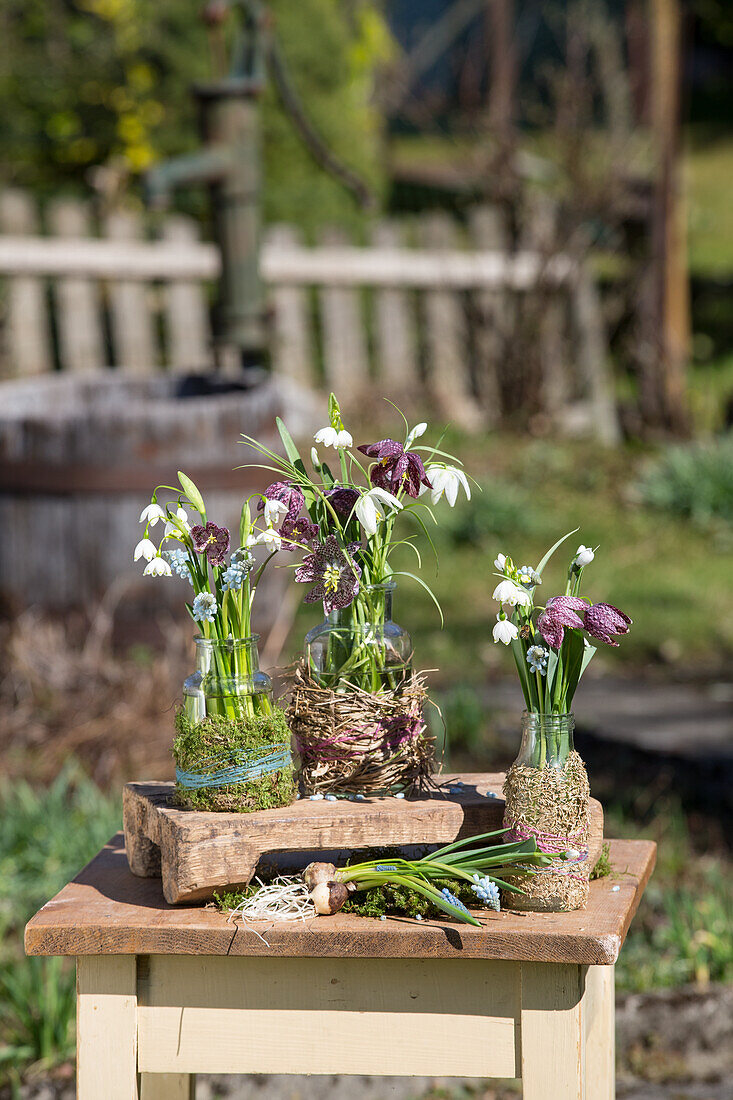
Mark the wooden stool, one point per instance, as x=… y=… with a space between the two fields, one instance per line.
x=167 y=992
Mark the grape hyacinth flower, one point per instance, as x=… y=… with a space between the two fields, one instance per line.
x=453 y=900
x=504 y=630
x=396 y=468
x=537 y=657
x=179 y=564
x=559 y=614
x=240 y=566
x=603 y=619
x=212 y=541
x=528 y=576
x=204 y=607
x=486 y=891
x=336 y=578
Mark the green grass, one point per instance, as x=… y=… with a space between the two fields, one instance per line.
x=46 y=837
x=657 y=567
x=708 y=168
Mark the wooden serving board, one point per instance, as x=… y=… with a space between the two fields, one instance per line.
x=196 y=853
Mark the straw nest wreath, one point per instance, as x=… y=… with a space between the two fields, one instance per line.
x=358 y=742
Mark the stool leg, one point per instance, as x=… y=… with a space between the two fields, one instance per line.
x=599 y=1025
x=167 y=1086
x=106 y=1027
x=551 y=1032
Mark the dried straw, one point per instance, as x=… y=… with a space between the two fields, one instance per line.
x=356 y=741
x=552 y=801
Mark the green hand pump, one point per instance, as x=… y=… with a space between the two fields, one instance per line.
x=230 y=164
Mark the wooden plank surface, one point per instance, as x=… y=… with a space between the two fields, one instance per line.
x=133 y=332
x=186 y=313
x=366 y=1016
x=197 y=853
x=78 y=300
x=108 y=910
x=27 y=329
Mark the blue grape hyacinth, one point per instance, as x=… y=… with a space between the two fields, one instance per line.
x=487 y=892
x=453 y=899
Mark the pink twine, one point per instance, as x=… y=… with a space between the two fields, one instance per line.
x=552 y=844
x=394 y=732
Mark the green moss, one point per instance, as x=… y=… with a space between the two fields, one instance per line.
x=227 y=737
x=603 y=864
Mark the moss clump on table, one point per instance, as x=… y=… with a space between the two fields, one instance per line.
x=227 y=738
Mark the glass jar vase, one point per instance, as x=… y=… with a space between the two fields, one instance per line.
x=232 y=746
x=227 y=681
x=547 y=799
x=361 y=645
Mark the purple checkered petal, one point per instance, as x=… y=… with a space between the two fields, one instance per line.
x=603 y=619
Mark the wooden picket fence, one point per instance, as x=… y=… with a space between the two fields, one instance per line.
x=434 y=317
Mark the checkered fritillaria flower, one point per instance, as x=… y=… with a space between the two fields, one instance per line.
x=560 y=612
x=335 y=578
x=396 y=468
x=212 y=541
x=603 y=619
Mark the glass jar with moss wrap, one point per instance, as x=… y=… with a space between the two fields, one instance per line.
x=232 y=746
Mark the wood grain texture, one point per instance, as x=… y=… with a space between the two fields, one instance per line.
x=108 y=910
x=386 y=1016
x=197 y=853
x=553 y=1063
x=106 y=1014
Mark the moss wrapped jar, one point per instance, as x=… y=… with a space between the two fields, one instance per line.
x=232 y=746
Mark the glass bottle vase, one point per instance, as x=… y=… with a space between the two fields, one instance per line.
x=361 y=645
x=547 y=798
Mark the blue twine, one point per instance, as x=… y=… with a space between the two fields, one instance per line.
x=209 y=773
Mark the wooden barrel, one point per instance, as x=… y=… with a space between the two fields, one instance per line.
x=80 y=455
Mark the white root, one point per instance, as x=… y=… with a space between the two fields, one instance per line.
x=284 y=899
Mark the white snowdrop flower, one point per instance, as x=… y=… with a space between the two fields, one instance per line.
x=145 y=549
x=315 y=460
x=510 y=593
x=330 y=437
x=371 y=508
x=584 y=556
x=171 y=529
x=500 y=562
x=152 y=514
x=268 y=538
x=504 y=630
x=157 y=567
x=274 y=511
x=447 y=480
x=416 y=432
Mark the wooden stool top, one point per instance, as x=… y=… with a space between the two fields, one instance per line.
x=106 y=910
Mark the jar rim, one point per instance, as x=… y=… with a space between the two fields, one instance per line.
x=547 y=717
x=226 y=643
x=382 y=586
